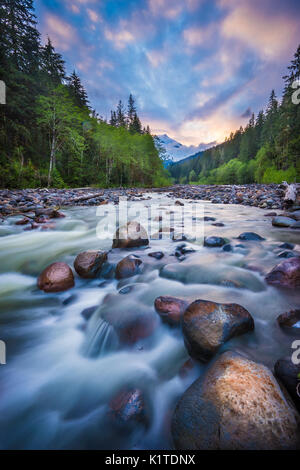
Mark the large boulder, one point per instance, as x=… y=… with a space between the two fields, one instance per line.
x=285 y=274
x=207 y=325
x=238 y=405
x=130 y=236
x=57 y=277
x=170 y=309
x=289 y=374
x=89 y=263
x=128 y=267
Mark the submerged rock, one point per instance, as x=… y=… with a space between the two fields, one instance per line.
x=286 y=254
x=208 y=325
x=170 y=309
x=89 y=263
x=128 y=267
x=57 y=277
x=285 y=274
x=130 y=236
x=250 y=236
x=214 y=242
x=157 y=255
x=238 y=405
x=129 y=407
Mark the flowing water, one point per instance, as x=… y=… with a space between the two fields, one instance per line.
x=62 y=371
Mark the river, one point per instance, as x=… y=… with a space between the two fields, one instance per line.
x=61 y=373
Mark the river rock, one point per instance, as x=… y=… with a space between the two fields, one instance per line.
x=206 y=326
x=289 y=374
x=250 y=236
x=89 y=263
x=286 y=254
x=130 y=236
x=287 y=246
x=170 y=309
x=131 y=319
x=129 y=407
x=128 y=267
x=57 y=277
x=282 y=221
x=290 y=321
x=157 y=255
x=214 y=242
x=238 y=405
x=285 y=274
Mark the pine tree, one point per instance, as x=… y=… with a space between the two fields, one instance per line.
x=131 y=110
x=136 y=126
x=52 y=64
x=113 y=119
x=121 y=119
x=77 y=90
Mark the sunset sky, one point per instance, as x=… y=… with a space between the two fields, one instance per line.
x=196 y=68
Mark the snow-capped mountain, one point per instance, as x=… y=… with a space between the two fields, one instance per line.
x=175 y=151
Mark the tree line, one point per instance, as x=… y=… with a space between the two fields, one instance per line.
x=49 y=135
x=267 y=150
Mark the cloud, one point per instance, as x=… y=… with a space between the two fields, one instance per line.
x=61 y=33
x=198 y=36
x=270 y=33
x=93 y=15
x=168 y=8
x=119 y=38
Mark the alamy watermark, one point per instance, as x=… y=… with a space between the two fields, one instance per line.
x=296 y=94
x=2 y=353
x=173 y=221
x=2 y=92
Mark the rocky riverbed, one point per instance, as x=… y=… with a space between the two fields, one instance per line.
x=150 y=335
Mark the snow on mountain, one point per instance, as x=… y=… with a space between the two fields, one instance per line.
x=176 y=151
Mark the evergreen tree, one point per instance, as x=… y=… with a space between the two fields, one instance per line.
x=121 y=119
x=77 y=90
x=52 y=64
x=131 y=111
x=113 y=119
x=136 y=126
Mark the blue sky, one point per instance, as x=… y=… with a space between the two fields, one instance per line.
x=197 y=68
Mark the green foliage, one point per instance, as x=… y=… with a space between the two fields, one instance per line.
x=48 y=133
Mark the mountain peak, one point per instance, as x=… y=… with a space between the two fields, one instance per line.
x=176 y=151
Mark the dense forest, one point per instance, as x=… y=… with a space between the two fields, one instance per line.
x=267 y=150
x=49 y=135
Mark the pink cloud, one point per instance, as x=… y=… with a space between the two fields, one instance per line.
x=62 y=34
x=272 y=35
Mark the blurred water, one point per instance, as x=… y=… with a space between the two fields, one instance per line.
x=61 y=372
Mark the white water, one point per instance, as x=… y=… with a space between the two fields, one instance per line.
x=61 y=373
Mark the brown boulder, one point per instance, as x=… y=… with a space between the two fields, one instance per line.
x=57 y=277
x=238 y=405
x=170 y=309
x=285 y=274
x=130 y=236
x=89 y=263
x=207 y=325
x=128 y=267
